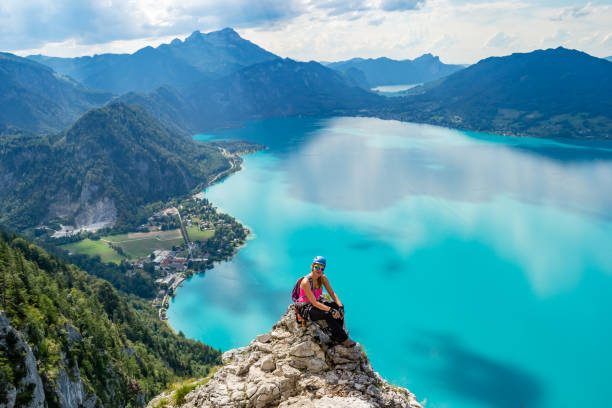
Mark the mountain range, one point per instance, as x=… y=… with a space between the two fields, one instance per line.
x=276 y=88
x=35 y=98
x=386 y=71
x=544 y=93
x=178 y=64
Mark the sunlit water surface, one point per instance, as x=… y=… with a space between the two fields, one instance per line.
x=476 y=269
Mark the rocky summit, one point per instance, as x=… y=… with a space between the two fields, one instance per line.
x=294 y=367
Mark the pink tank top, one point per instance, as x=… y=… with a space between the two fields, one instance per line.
x=316 y=292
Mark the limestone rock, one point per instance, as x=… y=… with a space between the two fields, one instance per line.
x=12 y=342
x=267 y=363
x=296 y=367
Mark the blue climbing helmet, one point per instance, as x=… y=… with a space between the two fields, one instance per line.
x=295 y=293
x=319 y=260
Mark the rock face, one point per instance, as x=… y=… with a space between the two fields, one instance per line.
x=295 y=367
x=27 y=391
x=27 y=388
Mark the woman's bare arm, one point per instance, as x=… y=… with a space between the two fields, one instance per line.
x=306 y=286
x=331 y=291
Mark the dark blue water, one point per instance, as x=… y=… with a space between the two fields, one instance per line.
x=476 y=269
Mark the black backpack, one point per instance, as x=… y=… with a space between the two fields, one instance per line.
x=295 y=294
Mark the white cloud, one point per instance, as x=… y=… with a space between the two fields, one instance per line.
x=401 y=5
x=500 y=40
x=560 y=38
x=313 y=29
x=35 y=22
x=574 y=12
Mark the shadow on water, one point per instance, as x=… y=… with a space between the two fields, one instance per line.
x=475 y=376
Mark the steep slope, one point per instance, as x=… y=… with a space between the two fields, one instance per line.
x=35 y=98
x=100 y=170
x=386 y=71
x=68 y=339
x=176 y=64
x=282 y=87
x=546 y=93
x=293 y=367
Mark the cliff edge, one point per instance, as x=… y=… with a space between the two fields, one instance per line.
x=292 y=367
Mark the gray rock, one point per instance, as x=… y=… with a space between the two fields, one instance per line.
x=290 y=372
x=316 y=365
x=296 y=367
x=266 y=394
x=327 y=402
x=267 y=364
x=31 y=379
x=72 y=333
x=303 y=349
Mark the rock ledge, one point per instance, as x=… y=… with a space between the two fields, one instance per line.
x=295 y=367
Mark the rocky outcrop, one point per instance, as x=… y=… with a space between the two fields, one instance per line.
x=69 y=387
x=25 y=388
x=295 y=367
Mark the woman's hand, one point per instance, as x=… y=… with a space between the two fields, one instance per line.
x=335 y=313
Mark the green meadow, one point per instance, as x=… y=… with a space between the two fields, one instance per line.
x=134 y=245
x=93 y=248
x=196 y=235
x=141 y=244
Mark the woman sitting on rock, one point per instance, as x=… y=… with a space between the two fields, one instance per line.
x=311 y=288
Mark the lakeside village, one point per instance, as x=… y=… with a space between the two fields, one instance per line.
x=208 y=237
x=183 y=238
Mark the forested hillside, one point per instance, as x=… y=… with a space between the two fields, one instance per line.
x=65 y=335
x=34 y=98
x=101 y=170
x=544 y=93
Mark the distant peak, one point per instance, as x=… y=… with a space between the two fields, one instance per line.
x=227 y=32
x=427 y=57
x=196 y=35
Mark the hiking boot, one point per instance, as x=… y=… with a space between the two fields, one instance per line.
x=348 y=343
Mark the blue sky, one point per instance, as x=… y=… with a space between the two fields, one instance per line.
x=459 y=31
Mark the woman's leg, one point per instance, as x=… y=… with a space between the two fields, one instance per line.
x=335 y=325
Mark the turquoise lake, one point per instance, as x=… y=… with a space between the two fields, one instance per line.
x=476 y=269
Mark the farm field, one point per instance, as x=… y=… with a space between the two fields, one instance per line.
x=140 y=244
x=93 y=248
x=196 y=235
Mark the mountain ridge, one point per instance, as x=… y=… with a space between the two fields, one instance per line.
x=276 y=88
x=100 y=170
x=35 y=98
x=544 y=93
x=179 y=63
x=387 y=71
x=291 y=367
